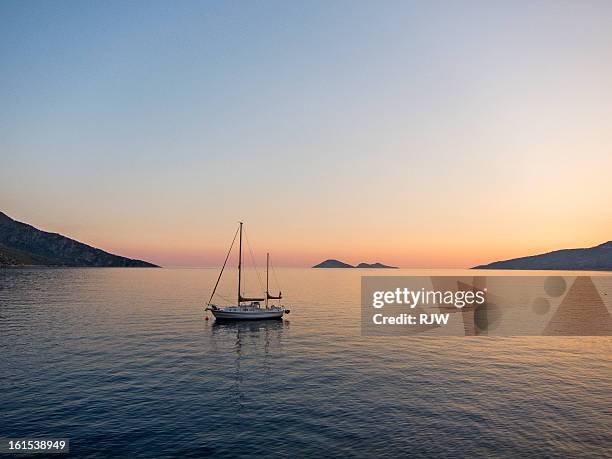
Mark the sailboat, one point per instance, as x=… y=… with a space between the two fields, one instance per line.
x=246 y=308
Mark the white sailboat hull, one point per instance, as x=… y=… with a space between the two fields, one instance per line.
x=241 y=313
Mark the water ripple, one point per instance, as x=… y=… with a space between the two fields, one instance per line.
x=121 y=362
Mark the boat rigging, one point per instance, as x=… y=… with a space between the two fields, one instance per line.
x=253 y=310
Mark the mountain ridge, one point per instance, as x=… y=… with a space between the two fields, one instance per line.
x=596 y=258
x=22 y=244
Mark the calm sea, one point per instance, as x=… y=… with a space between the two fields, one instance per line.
x=122 y=362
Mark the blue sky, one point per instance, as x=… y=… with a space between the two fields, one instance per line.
x=373 y=129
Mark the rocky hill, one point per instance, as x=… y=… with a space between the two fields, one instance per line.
x=23 y=245
x=598 y=258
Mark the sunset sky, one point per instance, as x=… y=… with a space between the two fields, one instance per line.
x=419 y=134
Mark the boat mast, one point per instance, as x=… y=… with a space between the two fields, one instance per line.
x=267 y=276
x=223 y=267
x=239 y=263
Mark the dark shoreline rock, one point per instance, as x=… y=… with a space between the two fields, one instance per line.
x=598 y=258
x=22 y=245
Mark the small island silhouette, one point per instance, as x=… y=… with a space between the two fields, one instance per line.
x=331 y=263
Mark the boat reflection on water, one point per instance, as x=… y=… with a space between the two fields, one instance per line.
x=250 y=332
x=251 y=336
x=255 y=346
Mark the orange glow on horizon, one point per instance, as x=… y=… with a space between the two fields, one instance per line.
x=405 y=257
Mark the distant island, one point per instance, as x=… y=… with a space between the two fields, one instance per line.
x=598 y=258
x=23 y=245
x=331 y=263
